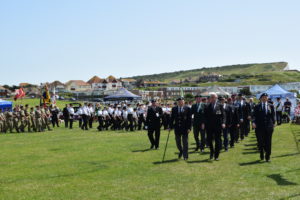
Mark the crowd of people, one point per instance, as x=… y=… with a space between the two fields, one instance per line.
x=216 y=122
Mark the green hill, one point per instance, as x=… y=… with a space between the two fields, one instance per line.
x=244 y=74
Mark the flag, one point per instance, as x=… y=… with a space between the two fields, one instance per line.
x=46 y=95
x=19 y=94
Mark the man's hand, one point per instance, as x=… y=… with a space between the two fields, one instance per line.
x=202 y=126
x=238 y=125
x=249 y=117
x=241 y=120
x=188 y=131
x=253 y=125
x=223 y=126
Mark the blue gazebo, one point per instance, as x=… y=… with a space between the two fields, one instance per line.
x=5 y=105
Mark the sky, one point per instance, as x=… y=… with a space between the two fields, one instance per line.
x=65 y=40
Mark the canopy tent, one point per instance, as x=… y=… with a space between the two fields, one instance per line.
x=215 y=89
x=277 y=91
x=5 y=105
x=121 y=95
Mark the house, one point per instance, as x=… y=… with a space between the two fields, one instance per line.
x=57 y=86
x=149 y=95
x=129 y=83
x=77 y=86
x=109 y=83
x=3 y=91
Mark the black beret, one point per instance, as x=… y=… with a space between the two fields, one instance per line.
x=263 y=94
x=240 y=94
x=153 y=100
x=180 y=98
x=198 y=95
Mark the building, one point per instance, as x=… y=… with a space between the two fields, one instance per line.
x=110 y=83
x=152 y=84
x=173 y=92
x=129 y=83
x=77 y=86
x=3 y=92
x=57 y=86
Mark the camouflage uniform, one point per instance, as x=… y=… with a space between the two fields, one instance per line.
x=38 y=120
x=22 y=120
x=2 y=122
x=32 y=119
x=9 y=121
x=16 y=120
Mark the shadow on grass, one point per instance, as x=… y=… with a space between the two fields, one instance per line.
x=251 y=149
x=200 y=161
x=280 y=180
x=286 y=155
x=251 y=163
x=142 y=150
x=290 y=197
x=250 y=152
x=165 y=162
x=249 y=145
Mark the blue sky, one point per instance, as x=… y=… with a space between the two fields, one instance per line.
x=69 y=39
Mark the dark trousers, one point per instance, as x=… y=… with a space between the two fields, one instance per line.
x=130 y=121
x=181 y=138
x=198 y=131
x=242 y=130
x=66 y=119
x=233 y=130
x=154 y=140
x=71 y=122
x=225 y=138
x=54 y=121
x=80 y=121
x=141 y=121
x=214 y=134
x=85 y=122
x=91 y=119
x=279 y=117
x=100 y=122
x=247 y=127
x=265 y=140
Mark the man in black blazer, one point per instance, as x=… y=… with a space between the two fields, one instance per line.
x=197 y=111
x=215 y=123
x=153 y=121
x=264 y=123
x=181 y=122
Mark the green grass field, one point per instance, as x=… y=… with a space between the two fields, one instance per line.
x=72 y=164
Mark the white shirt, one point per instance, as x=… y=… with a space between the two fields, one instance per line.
x=265 y=106
x=91 y=110
x=105 y=113
x=130 y=110
x=110 y=110
x=99 y=113
x=85 y=110
x=279 y=106
x=125 y=113
x=71 y=110
x=118 y=113
x=79 y=111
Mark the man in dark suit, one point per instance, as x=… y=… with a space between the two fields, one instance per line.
x=181 y=122
x=66 y=115
x=264 y=122
x=234 y=122
x=153 y=121
x=197 y=111
x=215 y=122
x=245 y=114
x=228 y=113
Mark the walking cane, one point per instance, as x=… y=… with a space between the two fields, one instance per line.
x=166 y=145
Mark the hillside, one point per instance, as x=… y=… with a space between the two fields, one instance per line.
x=259 y=73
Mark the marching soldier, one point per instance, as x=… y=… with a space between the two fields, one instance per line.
x=215 y=122
x=153 y=122
x=32 y=119
x=38 y=119
x=16 y=120
x=181 y=122
x=199 y=122
x=141 y=116
x=22 y=119
x=264 y=123
x=9 y=120
x=2 y=122
x=234 y=122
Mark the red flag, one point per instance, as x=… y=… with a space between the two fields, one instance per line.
x=19 y=94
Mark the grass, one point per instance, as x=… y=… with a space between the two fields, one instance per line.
x=72 y=164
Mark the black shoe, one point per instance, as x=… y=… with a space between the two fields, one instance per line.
x=179 y=155
x=201 y=150
x=156 y=148
x=216 y=159
x=197 y=148
x=185 y=159
x=152 y=146
x=211 y=157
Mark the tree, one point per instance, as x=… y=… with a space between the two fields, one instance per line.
x=245 y=91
